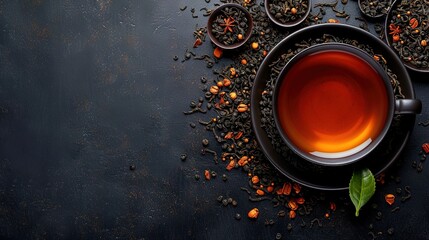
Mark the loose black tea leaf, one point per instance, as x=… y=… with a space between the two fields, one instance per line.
x=361 y=188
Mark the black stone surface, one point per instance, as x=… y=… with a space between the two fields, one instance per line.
x=90 y=88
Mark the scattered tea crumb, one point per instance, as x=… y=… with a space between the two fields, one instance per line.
x=395 y=209
x=379 y=215
x=420 y=167
x=315 y=220
x=372 y=235
x=424 y=124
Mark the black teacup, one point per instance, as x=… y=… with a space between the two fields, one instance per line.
x=333 y=104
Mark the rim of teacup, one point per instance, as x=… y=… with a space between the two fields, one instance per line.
x=340 y=161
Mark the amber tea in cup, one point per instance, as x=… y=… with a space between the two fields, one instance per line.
x=333 y=103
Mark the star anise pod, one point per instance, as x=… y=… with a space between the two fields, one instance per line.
x=228 y=23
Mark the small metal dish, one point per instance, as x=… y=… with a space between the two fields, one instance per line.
x=407 y=39
x=289 y=24
x=376 y=15
x=221 y=10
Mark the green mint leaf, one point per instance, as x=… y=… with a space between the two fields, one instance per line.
x=361 y=188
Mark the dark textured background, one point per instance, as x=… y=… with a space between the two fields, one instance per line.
x=88 y=88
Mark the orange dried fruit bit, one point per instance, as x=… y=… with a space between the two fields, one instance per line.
x=242 y=107
x=253 y=213
x=197 y=42
x=287 y=188
x=218 y=52
x=230 y=165
x=232 y=71
x=390 y=198
x=425 y=147
x=243 y=161
x=292 y=205
x=297 y=188
x=207 y=174
x=214 y=89
x=395 y=38
x=292 y=214
x=279 y=191
x=238 y=135
x=300 y=200
x=333 y=20
x=414 y=23
x=229 y=135
x=376 y=58
x=270 y=189
x=255 y=45
x=255 y=179
x=226 y=82
x=233 y=95
x=260 y=192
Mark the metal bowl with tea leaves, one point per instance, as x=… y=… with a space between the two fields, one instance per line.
x=287 y=13
x=230 y=26
x=374 y=9
x=407 y=33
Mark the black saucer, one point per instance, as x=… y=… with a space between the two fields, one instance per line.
x=323 y=177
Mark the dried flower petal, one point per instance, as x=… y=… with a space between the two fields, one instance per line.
x=414 y=23
x=287 y=188
x=390 y=198
x=425 y=147
x=292 y=205
x=292 y=214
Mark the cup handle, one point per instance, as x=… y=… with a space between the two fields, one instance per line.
x=408 y=106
